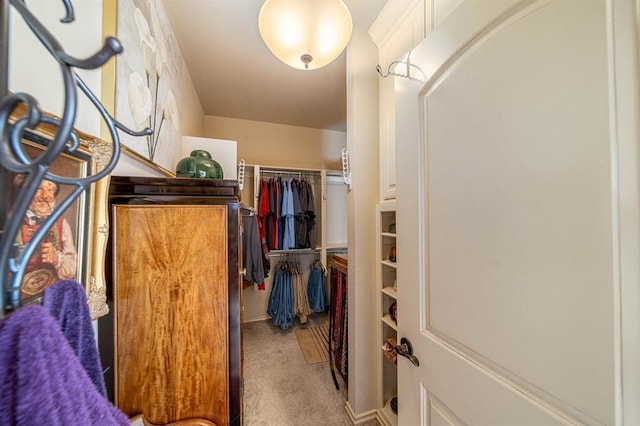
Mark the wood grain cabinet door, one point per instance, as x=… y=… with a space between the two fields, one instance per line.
x=171 y=311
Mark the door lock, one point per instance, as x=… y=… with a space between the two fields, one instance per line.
x=405 y=349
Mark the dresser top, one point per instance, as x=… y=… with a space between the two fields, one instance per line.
x=136 y=185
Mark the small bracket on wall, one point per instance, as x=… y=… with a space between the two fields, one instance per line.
x=241 y=166
x=346 y=171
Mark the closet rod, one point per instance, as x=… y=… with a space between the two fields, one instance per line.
x=290 y=172
x=277 y=253
x=337 y=250
x=288 y=168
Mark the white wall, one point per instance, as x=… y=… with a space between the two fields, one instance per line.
x=192 y=117
x=32 y=69
x=224 y=152
x=362 y=142
x=130 y=166
x=336 y=212
x=442 y=9
x=279 y=145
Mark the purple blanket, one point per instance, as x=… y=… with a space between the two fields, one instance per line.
x=67 y=303
x=41 y=379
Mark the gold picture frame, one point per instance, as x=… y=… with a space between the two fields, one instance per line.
x=145 y=161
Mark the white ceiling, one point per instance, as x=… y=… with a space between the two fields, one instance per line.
x=236 y=76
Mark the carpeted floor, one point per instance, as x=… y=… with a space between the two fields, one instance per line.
x=281 y=388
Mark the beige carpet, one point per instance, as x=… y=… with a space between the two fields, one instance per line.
x=280 y=388
x=314 y=343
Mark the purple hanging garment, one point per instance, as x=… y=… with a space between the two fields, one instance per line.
x=41 y=379
x=66 y=301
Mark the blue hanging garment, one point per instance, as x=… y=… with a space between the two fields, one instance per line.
x=317 y=288
x=280 y=306
x=288 y=221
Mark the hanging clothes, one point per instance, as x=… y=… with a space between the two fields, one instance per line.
x=317 y=288
x=272 y=216
x=277 y=211
x=252 y=250
x=280 y=306
x=299 y=192
x=286 y=210
x=338 y=315
x=263 y=213
x=279 y=197
x=301 y=301
x=289 y=238
x=307 y=204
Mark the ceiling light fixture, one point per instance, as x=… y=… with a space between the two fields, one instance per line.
x=305 y=34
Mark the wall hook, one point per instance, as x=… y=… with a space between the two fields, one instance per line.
x=241 y=167
x=346 y=171
x=393 y=66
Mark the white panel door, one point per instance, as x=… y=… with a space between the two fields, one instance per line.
x=517 y=216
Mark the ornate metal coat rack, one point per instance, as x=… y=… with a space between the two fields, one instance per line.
x=13 y=157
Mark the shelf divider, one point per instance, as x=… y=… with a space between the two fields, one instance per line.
x=391 y=292
x=387 y=320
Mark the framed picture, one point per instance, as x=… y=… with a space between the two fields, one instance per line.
x=74 y=247
x=147 y=79
x=62 y=253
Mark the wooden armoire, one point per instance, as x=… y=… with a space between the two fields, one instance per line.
x=171 y=343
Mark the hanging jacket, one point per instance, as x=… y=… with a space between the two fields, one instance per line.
x=252 y=251
x=317 y=288
x=280 y=306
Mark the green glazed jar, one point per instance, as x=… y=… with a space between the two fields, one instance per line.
x=199 y=165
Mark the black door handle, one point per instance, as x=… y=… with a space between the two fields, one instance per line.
x=405 y=349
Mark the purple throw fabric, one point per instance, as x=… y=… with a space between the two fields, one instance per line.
x=42 y=381
x=66 y=301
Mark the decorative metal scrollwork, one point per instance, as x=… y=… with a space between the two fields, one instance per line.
x=13 y=157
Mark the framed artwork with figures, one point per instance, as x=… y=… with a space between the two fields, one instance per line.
x=62 y=252
x=74 y=246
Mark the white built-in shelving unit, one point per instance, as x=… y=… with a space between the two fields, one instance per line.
x=387 y=294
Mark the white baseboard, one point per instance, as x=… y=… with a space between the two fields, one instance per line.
x=263 y=318
x=362 y=417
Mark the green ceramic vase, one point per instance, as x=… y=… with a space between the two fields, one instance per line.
x=199 y=165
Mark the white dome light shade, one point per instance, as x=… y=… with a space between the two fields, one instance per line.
x=305 y=34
